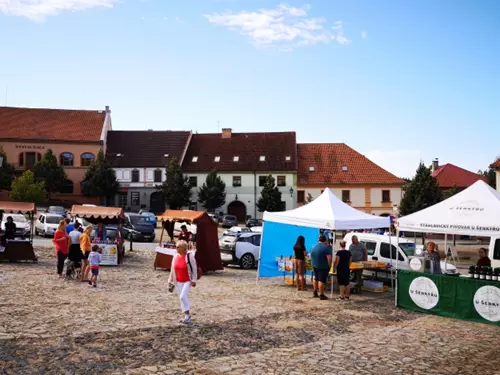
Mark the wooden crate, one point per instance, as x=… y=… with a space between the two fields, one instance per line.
x=385 y=288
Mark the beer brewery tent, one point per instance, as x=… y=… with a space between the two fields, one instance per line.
x=281 y=229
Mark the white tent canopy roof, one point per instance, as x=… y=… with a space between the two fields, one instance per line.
x=328 y=211
x=474 y=211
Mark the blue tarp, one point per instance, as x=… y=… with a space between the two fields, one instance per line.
x=278 y=240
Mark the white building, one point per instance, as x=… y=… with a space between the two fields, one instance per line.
x=139 y=159
x=351 y=176
x=243 y=161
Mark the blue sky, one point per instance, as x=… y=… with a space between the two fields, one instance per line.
x=400 y=81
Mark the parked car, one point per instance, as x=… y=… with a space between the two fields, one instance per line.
x=227 y=240
x=23 y=226
x=214 y=217
x=383 y=248
x=137 y=228
x=244 y=252
x=256 y=229
x=150 y=217
x=46 y=224
x=57 y=210
x=229 y=221
x=237 y=230
x=253 y=223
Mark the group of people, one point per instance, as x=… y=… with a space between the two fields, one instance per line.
x=321 y=262
x=73 y=243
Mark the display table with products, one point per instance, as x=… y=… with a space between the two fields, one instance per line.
x=18 y=250
x=164 y=256
x=464 y=298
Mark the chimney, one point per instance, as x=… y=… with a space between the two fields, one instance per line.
x=226 y=133
x=107 y=109
x=435 y=165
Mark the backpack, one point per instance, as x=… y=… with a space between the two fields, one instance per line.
x=199 y=271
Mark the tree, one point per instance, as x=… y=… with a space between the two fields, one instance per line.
x=26 y=189
x=6 y=172
x=490 y=175
x=421 y=192
x=50 y=173
x=270 y=197
x=177 y=188
x=212 y=193
x=309 y=198
x=451 y=192
x=100 y=179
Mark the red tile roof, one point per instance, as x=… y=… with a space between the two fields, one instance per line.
x=51 y=124
x=450 y=175
x=142 y=149
x=277 y=148
x=328 y=161
x=496 y=164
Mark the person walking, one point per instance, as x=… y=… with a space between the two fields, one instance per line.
x=321 y=261
x=61 y=242
x=183 y=276
x=342 y=263
x=85 y=247
x=300 y=262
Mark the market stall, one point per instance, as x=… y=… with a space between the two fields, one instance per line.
x=111 y=242
x=474 y=212
x=18 y=249
x=206 y=242
x=281 y=229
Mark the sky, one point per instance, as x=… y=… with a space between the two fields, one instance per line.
x=399 y=81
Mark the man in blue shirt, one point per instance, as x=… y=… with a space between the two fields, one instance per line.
x=69 y=226
x=321 y=261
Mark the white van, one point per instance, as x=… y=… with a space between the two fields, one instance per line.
x=494 y=251
x=383 y=248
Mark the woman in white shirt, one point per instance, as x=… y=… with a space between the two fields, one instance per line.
x=75 y=254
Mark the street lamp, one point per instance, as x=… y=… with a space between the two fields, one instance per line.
x=291 y=191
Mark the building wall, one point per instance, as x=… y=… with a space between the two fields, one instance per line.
x=364 y=198
x=75 y=173
x=249 y=191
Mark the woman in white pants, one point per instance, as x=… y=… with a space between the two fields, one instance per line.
x=183 y=276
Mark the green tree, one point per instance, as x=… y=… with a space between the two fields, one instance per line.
x=490 y=175
x=100 y=180
x=6 y=172
x=212 y=193
x=50 y=173
x=450 y=193
x=270 y=197
x=176 y=188
x=421 y=192
x=26 y=189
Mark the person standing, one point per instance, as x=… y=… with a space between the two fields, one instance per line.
x=483 y=260
x=342 y=264
x=183 y=276
x=300 y=262
x=69 y=226
x=75 y=254
x=10 y=229
x=61 y=241
x=321 y=261
x=95 y=258
x=432 y=254
x=359 y=253
x=85 y=247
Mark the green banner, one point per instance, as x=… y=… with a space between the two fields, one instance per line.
x=451 y=296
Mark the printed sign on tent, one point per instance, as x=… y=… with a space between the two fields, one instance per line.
x=424 y=293
x=487 y=303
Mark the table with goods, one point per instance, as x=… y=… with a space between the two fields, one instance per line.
x=474 y=296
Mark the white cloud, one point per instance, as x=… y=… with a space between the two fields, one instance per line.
x=179 y=20
x=364 y=35
x=38 y=10
x=284 y=26
x=402 y=163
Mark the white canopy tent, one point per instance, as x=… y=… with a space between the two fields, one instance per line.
x=328 y=212
x=474 y=211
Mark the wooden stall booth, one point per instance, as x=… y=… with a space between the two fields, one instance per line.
x=111 y=239
x=19 y=248
x=206 y=242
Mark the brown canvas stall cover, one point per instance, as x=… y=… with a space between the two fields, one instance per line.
x=207 y=236
x=17 y=207
x=98 y=212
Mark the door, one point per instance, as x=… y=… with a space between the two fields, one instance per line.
x=238 y=209
x=40 y=222
x=157 y=203
x=388 y=254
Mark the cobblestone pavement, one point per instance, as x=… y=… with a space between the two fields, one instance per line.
x=130 y=325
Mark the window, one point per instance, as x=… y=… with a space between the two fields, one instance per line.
x=135 y=197
x=122 y=199
x=281 y=181
x=86 y=159
x=217 y=159
x=389 y=251
x=236 y=158
x=346 y=195
x=370 y=246
x=31 y=159
x=157 y=176
x=195 y=159
x=262 y=158
x=236 y=181
x=288 y=158
x=67 y=187
x=41 y=219
x=135 y=176
x=193 y=181
x=386 y=195
x=496 y=250
x=66 y=159
x=262 y=180
x=301 y=196
x=256 y=239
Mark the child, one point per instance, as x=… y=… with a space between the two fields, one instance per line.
x=94 y=259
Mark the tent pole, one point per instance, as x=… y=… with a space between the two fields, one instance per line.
x=446 y=251
x=390 y=247
x=395 y=275
x=260 y=252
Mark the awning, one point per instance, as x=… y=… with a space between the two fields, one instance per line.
x=97 y=212
x=183 y=216
x=17 y=207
